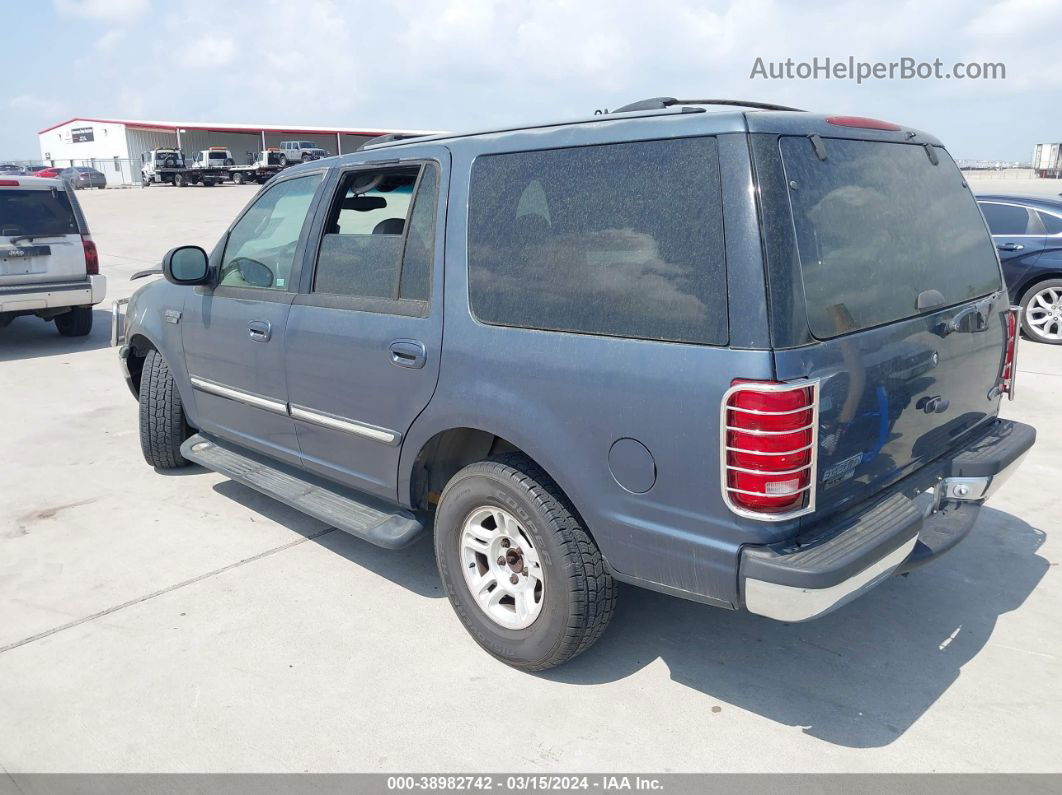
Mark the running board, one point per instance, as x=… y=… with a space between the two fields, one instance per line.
x=360 y=515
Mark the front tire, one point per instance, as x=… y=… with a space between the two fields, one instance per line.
x=504 y=520
x=1041 y=316
x=163 y=427
x=75 y=323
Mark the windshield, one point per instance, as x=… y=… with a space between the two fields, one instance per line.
x=36 y=212
x=218 y=155
x=878 y=225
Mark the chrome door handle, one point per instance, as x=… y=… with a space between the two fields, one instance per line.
x=1010 y=247
x=260 y=330
x=408 y=353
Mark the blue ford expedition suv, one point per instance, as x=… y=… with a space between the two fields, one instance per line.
x=752 y=357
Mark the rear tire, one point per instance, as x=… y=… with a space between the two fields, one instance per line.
x=163 y=427
x=283 y=160
x=1041 y=316
x=179 y=180
x=237 y=178
x=75 y=323
x=564 y=596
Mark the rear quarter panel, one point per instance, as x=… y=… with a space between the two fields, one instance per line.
x=565 y=399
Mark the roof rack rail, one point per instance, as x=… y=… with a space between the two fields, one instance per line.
x=388 y=138
x=659 y=103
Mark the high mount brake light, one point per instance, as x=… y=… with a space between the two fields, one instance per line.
x=1010 y=356
x=863 y=122
x=768 y=448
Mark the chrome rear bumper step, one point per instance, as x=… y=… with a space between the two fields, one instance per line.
x=360 y=515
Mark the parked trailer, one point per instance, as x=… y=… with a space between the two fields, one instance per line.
x=1047 y=160
x=169 y=166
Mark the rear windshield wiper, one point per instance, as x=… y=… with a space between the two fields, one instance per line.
x=18 y=238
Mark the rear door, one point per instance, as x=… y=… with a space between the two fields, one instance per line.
x=364 y=336
x=903 y=298
x=1019 y=235
x=40 y=234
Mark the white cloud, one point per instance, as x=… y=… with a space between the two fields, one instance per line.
x=206 y=52
x=35 y=105
x=114 y=10
x=110 y=40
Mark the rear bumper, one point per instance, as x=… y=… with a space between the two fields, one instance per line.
x=29 y=297
x=901 y=531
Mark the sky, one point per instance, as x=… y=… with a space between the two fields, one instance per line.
x=473 y=64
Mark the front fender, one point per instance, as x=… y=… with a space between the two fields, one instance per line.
x=153 y=319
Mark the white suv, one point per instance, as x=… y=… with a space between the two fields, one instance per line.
x=300 y=151
x=49 y=266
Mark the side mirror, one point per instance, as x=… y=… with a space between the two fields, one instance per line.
x=254 y=272
x=186 y=265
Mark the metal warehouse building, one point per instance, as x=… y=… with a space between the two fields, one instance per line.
x=114 y=146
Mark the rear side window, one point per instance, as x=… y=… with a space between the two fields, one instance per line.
x=378 y=241
x=36 y=212
x=877 y=225
x=620 y=240
x=1010 y=219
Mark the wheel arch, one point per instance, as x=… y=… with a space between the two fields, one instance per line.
x=431 y=457
x=139 y=345
x=1036 y=278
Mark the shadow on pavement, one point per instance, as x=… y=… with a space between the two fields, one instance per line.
x=859 y=677
x=29 y=337
x=412 y=568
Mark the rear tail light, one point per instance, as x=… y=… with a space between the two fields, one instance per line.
x=769 y=438
x=8 y=183
x=92 y=257
x=1010 y=356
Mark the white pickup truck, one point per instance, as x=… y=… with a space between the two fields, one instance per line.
x=49 y=266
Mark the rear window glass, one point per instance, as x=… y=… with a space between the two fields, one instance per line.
x=36 y=212
x=620 y=240
x=877 y=225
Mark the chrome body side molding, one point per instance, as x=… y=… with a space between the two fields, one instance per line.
x=300 y=413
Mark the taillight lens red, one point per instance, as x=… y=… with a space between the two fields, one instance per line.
x=1011 y=353
x=92 y=257
x=769 y=446
x=8 y=183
